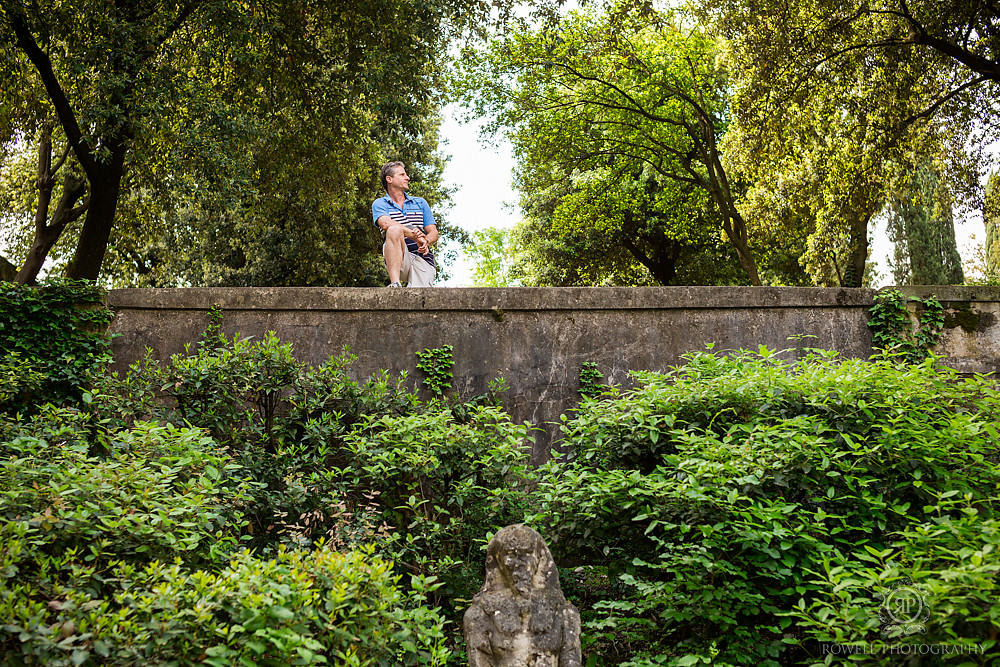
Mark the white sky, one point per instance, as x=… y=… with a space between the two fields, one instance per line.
x=481 y=174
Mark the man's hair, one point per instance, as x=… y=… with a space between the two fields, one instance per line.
x=387 y=172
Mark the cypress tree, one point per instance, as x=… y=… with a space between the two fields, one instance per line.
x=991 y=219
x=922 y=227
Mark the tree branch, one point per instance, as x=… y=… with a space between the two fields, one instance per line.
x=176 y=24
x=64 y=110
x=636 y=107
x=978 y=64
x=61 y=160
x=932 y=109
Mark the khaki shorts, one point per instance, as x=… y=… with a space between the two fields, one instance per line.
x=416 y=272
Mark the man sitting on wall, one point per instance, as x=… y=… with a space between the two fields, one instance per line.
x=409 y=229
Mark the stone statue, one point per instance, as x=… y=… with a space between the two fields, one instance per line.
x=520 y=618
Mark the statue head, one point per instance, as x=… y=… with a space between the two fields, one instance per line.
x=520 y=617
x=518 y=560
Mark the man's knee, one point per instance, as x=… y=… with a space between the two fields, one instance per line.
x=394 y=234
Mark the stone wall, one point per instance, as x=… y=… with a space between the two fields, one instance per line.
x=971 y=337
x=538 y=338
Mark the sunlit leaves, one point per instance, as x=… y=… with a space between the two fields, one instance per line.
x=614 y=118
x=836 y=101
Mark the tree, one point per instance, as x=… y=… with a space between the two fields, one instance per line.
x=837 y=99
x=93 y=67
x=991 y=220
x=922 y=227
x=188 y=105
x=290 y=227
x=611 y=96
x=599 y=228
x=494 y=254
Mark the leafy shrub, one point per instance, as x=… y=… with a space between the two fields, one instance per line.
x=59 y=330
x=591 y=380
x=720 y=493
x=115 y=547
x=949 y=566
x=324 y=401
x=441 y=486
x=299 y=608
x=343 y=461
x=19 y=381
x=232 y=388
x=162 y=492
x=68 y=426
x=117 y=401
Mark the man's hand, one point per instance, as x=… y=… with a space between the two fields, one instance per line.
x=422 y=245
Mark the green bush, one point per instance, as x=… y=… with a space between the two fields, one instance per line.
x=161 y=492
x=440 y=487
x=281 y=420
x=53 y=342
x=19 y=381
x=721 y=491
x=341 y=461
x=122 y=557
x=117 y=401
x=298 y=608
x=232 y=388
x=949 y=566
x=738 y=509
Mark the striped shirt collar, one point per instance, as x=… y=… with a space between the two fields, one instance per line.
x=406 y=200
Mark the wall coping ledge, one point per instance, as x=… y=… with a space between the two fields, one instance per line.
x=495 y=299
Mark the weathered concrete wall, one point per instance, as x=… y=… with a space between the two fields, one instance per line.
x=538 y=338
x=970 y=340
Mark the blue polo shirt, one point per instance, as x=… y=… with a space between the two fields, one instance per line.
x=415 y=213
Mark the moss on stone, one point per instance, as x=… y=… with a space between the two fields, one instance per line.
x=960 y=314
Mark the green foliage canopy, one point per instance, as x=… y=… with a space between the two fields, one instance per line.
x=835 y=100
x=215 y=129
x=991 y=220
x=922 y=226
x=494 y=255
x=615 y=121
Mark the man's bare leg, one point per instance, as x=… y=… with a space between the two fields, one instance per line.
x=392 y=251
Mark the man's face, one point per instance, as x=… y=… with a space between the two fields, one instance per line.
x=399 y=178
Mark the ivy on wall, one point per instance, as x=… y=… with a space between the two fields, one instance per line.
x=893 y=329
x=52 y=338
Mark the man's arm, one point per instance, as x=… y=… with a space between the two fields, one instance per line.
x=431 y=234
x=385 y=222
x=380 y=214
x=430 y=227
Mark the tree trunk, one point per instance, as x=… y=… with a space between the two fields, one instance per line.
x=46 y=232
x=736 y=231
x=663 y=263
x=96 y=232
x=46 y=235
x=855 y=274
x=718 y=187
x=44 y=240
x=7 y=270
x=747 y=261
